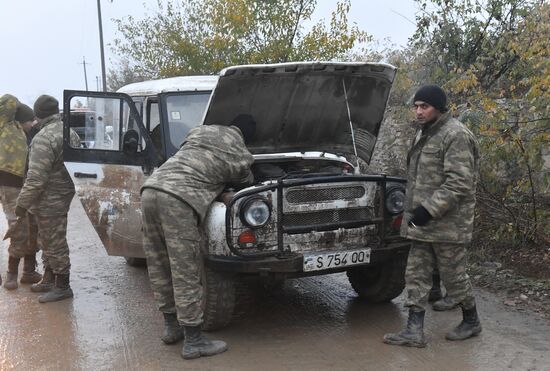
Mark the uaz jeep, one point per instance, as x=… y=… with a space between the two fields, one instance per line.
x=310 y=211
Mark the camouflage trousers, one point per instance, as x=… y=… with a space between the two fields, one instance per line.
x=52 y=234
x=24 y=238
x=171 y=240
x=451 y=260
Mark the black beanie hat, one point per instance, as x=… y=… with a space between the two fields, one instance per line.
x=24 y=113
x=247 y=125
x=433 y=95
x=45 y=106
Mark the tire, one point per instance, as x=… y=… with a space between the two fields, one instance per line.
x=135 y=262
x=218 y=299
x=380 y=283
x=246 y=294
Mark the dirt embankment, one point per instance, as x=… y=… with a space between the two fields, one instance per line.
x=511 y=283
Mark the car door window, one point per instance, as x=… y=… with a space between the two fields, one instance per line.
x=102 y=123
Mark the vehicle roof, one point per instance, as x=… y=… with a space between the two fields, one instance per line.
x=171 y=84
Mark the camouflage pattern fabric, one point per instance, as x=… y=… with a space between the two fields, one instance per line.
x=442 y=168
x=53 y=239
x=32 y=237
x=20 y=243
x=210 y=157
x=13 y=142
x=172 y=247
x=48 y=188
x=451 y=261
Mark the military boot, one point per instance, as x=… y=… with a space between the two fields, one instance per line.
x=469 y=327
x=412 y=335
x=196 y=345
x=444 y=304
x=435 y=292
x=173 y=331
x=61 y=290
x=30 y=275
x=11 y=278
x=46 y=283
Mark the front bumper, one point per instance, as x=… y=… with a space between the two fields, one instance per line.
x=292 y=264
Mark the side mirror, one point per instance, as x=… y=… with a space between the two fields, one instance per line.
x=130 y=142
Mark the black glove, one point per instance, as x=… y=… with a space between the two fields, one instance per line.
x=420 y=217
x=20 y=212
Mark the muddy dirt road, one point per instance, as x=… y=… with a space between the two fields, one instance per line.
x=310 y=324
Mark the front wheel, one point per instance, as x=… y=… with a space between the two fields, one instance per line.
x=218 y=301
x=380 y=283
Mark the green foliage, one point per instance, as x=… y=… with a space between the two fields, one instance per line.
x=124 y=74
x=492 y=56
x=204 y=36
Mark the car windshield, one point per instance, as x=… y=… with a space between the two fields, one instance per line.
x=185 y=111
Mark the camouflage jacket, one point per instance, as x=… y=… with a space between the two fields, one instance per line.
x=210 y=157
x=48 y=188
x=13 y=142
x=442 y=170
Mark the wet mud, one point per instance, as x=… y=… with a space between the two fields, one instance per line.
x=316 y=323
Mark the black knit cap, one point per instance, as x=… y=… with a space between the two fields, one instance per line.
x=433 y=95
x=45 y=106
x=24 y=113
x=247 y=125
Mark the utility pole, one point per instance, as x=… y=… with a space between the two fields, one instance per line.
x=103 y=76
x=85 y=75
x=97 y=83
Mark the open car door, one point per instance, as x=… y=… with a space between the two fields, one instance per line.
x=110 y=165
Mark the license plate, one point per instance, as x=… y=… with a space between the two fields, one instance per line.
x=318 y=262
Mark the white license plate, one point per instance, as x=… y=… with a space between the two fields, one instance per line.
x=336 y=259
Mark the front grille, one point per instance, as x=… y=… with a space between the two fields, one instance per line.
x=326 y=216
x=299 y=196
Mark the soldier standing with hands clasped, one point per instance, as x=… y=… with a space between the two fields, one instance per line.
x=47 y=194
x=442 y=168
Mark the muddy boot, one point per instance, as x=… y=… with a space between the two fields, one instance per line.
x=62 y=290
x=30 y=275
x=196 y=345
x=469 y=327
x=435 y=292
x=173 y=332
x=444 y=304
x=412 y=335
x=46 y=283
x=11 y=278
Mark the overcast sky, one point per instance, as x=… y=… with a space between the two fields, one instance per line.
x=43 y=42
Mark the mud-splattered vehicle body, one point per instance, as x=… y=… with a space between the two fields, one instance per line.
x=310 y=211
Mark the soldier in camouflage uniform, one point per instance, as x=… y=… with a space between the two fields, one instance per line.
x=13 y=153
x=174 y=201
x=439 y=209
x=21 y=243
x=47 y=194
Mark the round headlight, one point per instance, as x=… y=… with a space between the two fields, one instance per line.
x=255 y=212
x=395 y=200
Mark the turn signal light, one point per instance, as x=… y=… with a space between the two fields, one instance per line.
x=247 y=239
x=396 y=224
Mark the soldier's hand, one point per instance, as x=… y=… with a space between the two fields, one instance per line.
x=20 y=212
x=420 y=217
x=226 y=197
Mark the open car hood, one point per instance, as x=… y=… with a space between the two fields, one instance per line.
x=302 y=106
